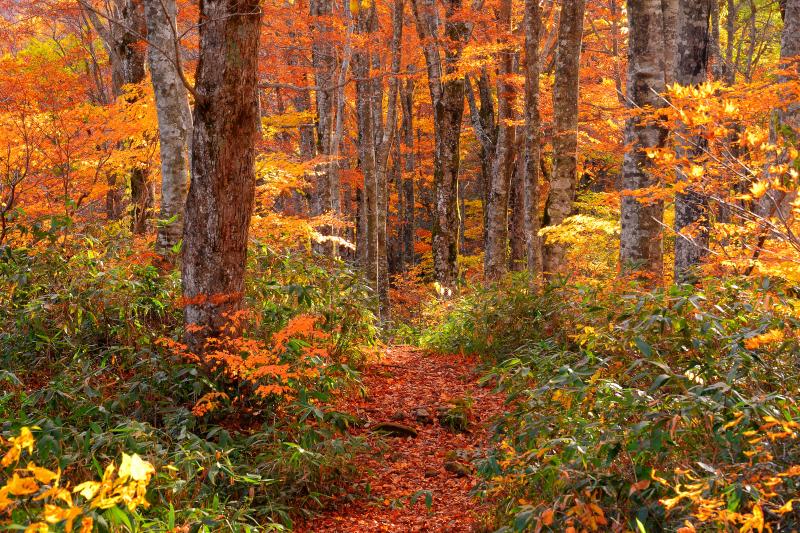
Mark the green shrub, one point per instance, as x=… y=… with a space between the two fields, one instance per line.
x=83 y=360
x=614 y=396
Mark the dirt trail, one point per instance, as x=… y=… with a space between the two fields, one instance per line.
x=406 y=380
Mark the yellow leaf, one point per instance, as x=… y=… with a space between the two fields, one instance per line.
x=5 y=501
x=135 y=468
x=785 y=508
x=734 y=422
x=21 y=486
x=759 y=189
x=43 y=475
x=87 y=489
x=54 y=514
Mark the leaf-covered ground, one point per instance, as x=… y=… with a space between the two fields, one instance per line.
x=433 y=470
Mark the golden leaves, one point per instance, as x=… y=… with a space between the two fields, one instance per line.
x=770 y=337
x=23 y=442
x=35 y=485
x=759 y=189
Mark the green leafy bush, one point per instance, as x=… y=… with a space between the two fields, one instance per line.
x=82 y=359
x=616 y=396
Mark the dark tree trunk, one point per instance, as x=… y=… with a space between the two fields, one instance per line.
x=495 y=259
x=409 y=165
x=220 y=200
x=691 y=207
x=447 y=98
x=516 y=221
x=122 y=32
x=127 y=67
x=324 y=195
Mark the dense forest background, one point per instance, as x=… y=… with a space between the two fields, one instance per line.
x=419 y=265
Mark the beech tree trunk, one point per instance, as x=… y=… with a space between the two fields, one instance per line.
x=669 y=26
x=790 y=48
x=565 y=127
x=516 y=205
x=325 y=190
x=174 y=119
x=447 y=98
x=691 y=208
x=366 y=23
x=483 y=122
x=127 y=67
x=375 y=138
x=122 y=30
x=640 y=241
x=533 y=30
x=221 y=193
x=496 y=257
x=409 y=168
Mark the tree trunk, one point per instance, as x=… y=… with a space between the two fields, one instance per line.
x=323 y=59
x=128 y=68
x=447 y=98
x=375 y=137
x=142 y=199
x=669 y=27
x=691 y=207
x=174 y=119
x=718 y=67
x=388 y=131
x=485 y=127
x=533 y=30
x=790 y=48
x=496 y=259
x=220 y=200
x=640 y=242
x=448 y=114
x=565 y=128
x=127 y=56
x=409 y=165
x=516 y=221
x=368 y=237
x=785 y=122
x=121 y=36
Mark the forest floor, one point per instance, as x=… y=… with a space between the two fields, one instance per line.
x=427 y=392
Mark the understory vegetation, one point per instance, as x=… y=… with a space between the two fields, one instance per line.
x=91 y=363
x=628 y=409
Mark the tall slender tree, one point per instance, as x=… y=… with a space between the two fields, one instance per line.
x=174 y=118
x=447 y=98
x=533 y=31
x=691 y=207
x=221 y=194
x=565 y=126
x=408 y=221
x=640 y=242
x=495 y=258
x=122 y=29
x=790 y=57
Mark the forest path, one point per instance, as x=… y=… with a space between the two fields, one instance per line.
x=414 y=387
